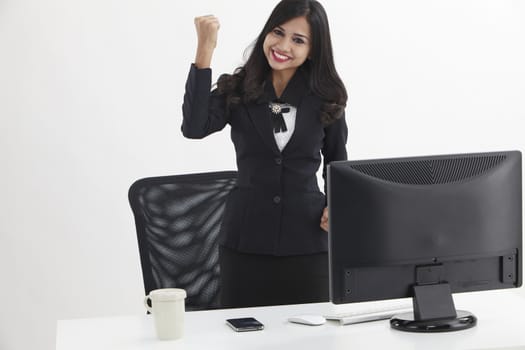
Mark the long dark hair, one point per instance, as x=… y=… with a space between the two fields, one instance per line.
x=246 y=84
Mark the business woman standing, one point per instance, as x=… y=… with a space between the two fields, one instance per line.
x=285 y=106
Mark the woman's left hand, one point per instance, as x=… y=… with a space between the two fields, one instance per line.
x=324 y=219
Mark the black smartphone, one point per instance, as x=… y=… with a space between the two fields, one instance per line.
x=244 y=324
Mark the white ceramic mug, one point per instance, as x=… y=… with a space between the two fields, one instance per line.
x=167 y=307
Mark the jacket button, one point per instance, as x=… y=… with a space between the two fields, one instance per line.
x=276 y=199
x=278 y=161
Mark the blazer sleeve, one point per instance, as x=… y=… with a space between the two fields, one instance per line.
x=203 y=112
x=334 y=147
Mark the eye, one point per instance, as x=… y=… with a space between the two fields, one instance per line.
x=278 y=32
x=298 y=40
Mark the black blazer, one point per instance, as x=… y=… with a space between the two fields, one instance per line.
x=277 y=206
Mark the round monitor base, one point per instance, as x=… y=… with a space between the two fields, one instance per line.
x=405 y=322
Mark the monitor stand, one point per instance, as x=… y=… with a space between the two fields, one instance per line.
x=434 y=311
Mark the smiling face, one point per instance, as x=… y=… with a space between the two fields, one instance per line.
x=287 y=46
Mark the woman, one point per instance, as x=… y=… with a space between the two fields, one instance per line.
x=285 y=106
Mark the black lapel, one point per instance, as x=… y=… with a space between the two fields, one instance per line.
x=294 y=94
x=259 y=114
x=296 y=89
x=259 y=111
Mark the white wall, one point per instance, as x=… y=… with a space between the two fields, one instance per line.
x=90 y=100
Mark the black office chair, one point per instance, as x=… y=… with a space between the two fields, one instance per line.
x=177 y=220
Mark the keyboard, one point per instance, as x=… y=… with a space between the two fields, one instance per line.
x=376 y=313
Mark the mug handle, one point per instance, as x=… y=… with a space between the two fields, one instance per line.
x=146 y=304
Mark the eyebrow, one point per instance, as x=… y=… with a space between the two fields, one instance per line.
x=296 y=34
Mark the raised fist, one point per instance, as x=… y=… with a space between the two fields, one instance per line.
x=207 y=28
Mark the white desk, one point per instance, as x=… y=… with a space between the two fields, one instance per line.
x=501 y=325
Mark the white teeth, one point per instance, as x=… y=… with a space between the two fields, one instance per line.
x=281 y=57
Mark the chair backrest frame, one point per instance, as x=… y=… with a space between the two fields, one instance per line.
x=214 y=187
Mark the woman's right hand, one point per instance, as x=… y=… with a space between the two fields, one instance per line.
x=207 y=28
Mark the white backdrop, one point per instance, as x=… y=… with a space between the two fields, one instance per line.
x=90 y=100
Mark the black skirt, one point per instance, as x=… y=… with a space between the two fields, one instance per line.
x=260 y=280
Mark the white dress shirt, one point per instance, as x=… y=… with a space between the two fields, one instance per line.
x=282 y=138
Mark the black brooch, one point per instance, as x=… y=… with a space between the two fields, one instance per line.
x=277 y=116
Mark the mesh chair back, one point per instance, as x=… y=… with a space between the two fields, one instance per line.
x=178 y=220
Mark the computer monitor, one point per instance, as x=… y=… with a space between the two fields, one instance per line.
x=425 y=227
